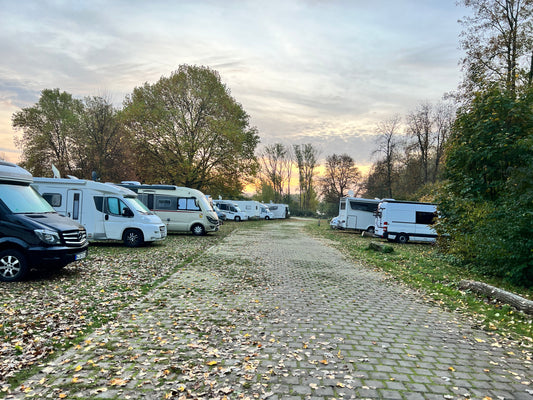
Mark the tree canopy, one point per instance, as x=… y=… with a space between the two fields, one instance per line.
x=188 y=130
x=486 y=204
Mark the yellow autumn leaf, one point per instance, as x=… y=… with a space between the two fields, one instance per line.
x=451 y=369
x=340 y=384
x=212 y=363
x=78 y=368
x=62 y=395
x=325 y=362
x=479 y=340
x=75 y=379
x=487 y=398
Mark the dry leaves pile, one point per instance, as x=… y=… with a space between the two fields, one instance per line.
x=52 y=311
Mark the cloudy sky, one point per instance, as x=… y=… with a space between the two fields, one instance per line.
x=306 y=71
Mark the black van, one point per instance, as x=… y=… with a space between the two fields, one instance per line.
x=32 y=234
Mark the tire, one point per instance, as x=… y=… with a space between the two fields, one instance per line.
x=13 y=266
x=133 y=238
x=402 y=238
x=237 y=218
x=370 y=229
x=198 y=230
x=267 y=218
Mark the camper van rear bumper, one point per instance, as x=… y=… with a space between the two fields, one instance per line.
x=46 y=256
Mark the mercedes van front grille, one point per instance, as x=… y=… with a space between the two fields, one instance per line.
x=75 y=238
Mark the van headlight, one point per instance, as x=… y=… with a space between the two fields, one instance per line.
x=49 y=237
x=212 y=220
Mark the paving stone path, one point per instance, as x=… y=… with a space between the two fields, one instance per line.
x=275 y=314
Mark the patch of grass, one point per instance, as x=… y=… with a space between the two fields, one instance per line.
x=423 y=268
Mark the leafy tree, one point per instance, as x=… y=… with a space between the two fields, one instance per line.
x=102 y=145
x=341 y=174
x=189 y=131
x=486 y=204
x=498 y=45
x=49 y=131
x=307 y=160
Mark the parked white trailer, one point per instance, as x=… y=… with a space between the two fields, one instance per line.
x=405 y=221
x=279 y=210
x=232 y=211
x=182 y=209
x=107 y=211
x=357 y=213
x=254 y=209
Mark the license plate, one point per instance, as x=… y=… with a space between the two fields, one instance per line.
x=81 y=256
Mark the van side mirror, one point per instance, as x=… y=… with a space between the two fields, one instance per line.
x=127 y=213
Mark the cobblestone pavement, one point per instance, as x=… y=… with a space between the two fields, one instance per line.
x=275 y=314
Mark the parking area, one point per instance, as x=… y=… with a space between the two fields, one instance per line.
x=273 y=313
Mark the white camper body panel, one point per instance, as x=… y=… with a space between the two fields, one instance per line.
x=249 y=207
x=107 y=211
x=254 y=209
x=404 y=221
x=357 y=213
x=279 y=210
x=182 y=209
x=232 y=211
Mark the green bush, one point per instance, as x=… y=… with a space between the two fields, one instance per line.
x=486 y=204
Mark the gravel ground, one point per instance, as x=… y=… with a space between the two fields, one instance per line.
x=275 y=314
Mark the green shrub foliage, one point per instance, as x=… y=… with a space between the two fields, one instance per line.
x=486 y=204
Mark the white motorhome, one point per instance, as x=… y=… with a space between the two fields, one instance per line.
x=254 y=209
x=357 y=213
x=107 y=211
x=279 y=210
x=403 y=221
x=182 y=209
x=231 y=210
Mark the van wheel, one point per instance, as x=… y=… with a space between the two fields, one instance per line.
x=133 y=238
x=370 y=229
x=237 y=218
x=267 y=217
x=13 y=266
x=198 y=230
x=402 y=238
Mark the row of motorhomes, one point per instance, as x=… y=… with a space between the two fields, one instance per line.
x=49 y=221
x=390 y=219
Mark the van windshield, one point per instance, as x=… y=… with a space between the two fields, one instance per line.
x=24 y=200
x=136 y=204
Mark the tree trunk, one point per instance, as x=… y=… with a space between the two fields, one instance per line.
x=509 y=298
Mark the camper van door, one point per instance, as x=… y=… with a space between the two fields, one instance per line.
x=115 y=215
x=74 y=199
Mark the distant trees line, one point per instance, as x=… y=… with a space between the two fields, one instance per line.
x=185 y=129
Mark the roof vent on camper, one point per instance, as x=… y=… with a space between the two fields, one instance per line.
x=350 y=193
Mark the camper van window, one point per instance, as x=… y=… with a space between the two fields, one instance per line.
x=360 y=206
x=76 y=207
x=115 y=206
x=426 y=218
x=273 y=208
x=343 y=204
x=192 y=204
x=54 y=199
x=166 y=203
x=188 y=203
x=99 y=203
